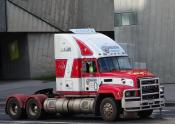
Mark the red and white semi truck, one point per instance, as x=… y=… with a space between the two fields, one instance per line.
x=93 y=76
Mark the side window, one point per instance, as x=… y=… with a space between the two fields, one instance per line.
x=89 y=67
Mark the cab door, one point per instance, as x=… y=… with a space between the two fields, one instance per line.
x=90 y=75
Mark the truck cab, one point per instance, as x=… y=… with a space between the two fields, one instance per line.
x=94 y=75
x=95 y=65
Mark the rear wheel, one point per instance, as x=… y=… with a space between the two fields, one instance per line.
x=145 y=113
x=108 y=109
x=14 y=110
x=34 y=111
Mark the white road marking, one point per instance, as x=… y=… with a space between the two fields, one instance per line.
x=43 y=122
x=26 y=122
x=164 y=110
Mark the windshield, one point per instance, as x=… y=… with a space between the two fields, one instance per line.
x=109 y=64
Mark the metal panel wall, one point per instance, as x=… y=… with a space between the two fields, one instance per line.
x=21 y=21
x=61 y=13
x=2 y=16
x=153 y=37
x=41 y=54
x=98 y=14
x=128 y=35
x=66 y=14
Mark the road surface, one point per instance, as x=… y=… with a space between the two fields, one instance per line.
x=167 y=117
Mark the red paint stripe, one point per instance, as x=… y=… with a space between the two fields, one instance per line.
x=85 y=50
x=76 y=68
x=60 y=67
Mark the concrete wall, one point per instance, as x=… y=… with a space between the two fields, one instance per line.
x=153 y=36
x=2 y=16
x=14 y=69
x=97 y=14
x=19 y=20
x=41 y=55
x=36 y=56
x=50 y=16
x=65 y=14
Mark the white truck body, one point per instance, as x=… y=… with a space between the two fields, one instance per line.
x=67 y=48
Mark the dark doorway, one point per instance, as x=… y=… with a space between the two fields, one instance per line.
x=14 y=58
x=0 y=62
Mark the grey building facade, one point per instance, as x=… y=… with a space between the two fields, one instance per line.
x=27 y=30
x=152 y=35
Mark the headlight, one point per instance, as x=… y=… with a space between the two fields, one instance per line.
x=128 y=82
x=130 y=94
x=127 y=94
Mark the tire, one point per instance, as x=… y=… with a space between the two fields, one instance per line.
x=34 y=112
x=14 y=110
x=145 y=113
x=108 y=109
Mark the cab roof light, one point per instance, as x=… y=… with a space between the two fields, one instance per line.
x=83 y=31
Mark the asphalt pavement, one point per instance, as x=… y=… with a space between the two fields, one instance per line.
x=27 y=87
x=30 y=86
x=167 y=117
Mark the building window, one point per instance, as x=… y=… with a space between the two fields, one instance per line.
x=125 y=18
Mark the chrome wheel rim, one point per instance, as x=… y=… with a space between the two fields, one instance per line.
x=108 y=110
x=14 y=109
x=33 y=109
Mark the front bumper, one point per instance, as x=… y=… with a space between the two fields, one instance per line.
x=132 y=104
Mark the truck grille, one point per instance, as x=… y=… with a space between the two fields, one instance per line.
x=149 y=88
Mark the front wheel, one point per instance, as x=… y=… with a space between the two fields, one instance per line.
x=108 y=109
x=145 y=113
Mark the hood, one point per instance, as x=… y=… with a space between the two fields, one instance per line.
x=135 y=73
x=130 y=74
